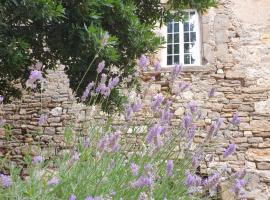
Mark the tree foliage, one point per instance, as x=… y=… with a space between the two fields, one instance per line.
x=71 y=32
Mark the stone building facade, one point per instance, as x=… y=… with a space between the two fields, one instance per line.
x=234 y=59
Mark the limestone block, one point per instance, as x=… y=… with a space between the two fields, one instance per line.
x=262 y=107
x=57 y=111
x=263 y=165
x=222 y=37
x=260 y=125
x=262 y=155
x=255 y=140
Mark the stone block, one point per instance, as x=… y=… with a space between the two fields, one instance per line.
x=255 y=140
x=260 y=125
x=263 y=165
x=261 y=155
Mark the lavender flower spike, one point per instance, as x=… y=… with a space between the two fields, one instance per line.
x=35 y=75
x=72 y=197
x=176 y=71
x=187 y=121
x=211 y=92
x=169 y=167
x=229 y=151
x=143 y=62
x=42 y=119
x=1 y=99
x=89 y=198
x=5 y=181
x=134 y=169
x=238 y=186
x=235 y=119
x=157 y=100
x=100 y=67
x=37 y=159
x=192 y=106
x=53 y=181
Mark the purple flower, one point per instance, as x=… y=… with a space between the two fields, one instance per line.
x=42 y=119
x=113 y=82
x=212 y=181
x=1 y=99
x=183 y=86
x=154 y=132
x=35 y=75
x=211 y=92
x=169 y=167
x=192 y=106
x=137 y=105
x=196 y=159
x=86 y=143
x=37 y=159
x=235 y=119
x=238 y=186
x=143 y=62
x=157 y=66
x=166 y=116
x=109 y=143
x=134 y=169
x=176 y=71
x=142 y=181
x=128 y=112
x=187 y=121
x=157 y=101
x=89 y=198
x=87 y=91
x=191 y=132
x=5 y=181
x=72 y=197
x=53 y=181
x=215 y=126
x=229 y=151
x=100 y=67
x=192 y=180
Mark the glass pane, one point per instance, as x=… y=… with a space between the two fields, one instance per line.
x=187 y=59
x=192 y=47
x=192 y=26
x=169 y=49
x=193 y=36
x=186 y=26
x=176 y=49
x=186 y=37
x=176 y=59
x=193 y=59
x=176 y=27
x=169 y=60
x=169 y=38
x=192 y=13
x=186 y=48
x=170 y=28
x=176 y=38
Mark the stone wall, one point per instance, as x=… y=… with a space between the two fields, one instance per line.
x=236 y=62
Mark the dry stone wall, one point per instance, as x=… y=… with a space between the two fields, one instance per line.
x=236 y=62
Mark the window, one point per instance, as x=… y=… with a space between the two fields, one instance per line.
x=183 y=42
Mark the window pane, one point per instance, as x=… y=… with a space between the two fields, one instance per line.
x=176 y=59
x=176 y=38
x=193 y=59
x=192 y=26
x=176 y=49
x=169 y=49
x=186 y=48
x=186 y=37
x=192 y=13
x=186 y=26
x=169 y=38
x=169 y=60
x=176 y=27
x=193 y=36
x=170 y=28
x=187 y=59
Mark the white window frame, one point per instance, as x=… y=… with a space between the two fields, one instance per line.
x=197 y=46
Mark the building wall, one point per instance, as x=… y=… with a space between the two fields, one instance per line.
x=236 y=62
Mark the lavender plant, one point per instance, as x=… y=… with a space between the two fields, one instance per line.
x=162 y=164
